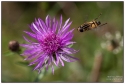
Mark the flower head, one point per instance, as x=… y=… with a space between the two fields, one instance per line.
x=52 y=46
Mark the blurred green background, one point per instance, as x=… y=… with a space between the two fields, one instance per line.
x=97 y=64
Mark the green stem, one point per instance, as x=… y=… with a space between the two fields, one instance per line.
x=40 y=75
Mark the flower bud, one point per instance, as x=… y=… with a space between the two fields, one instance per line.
x=14 y=46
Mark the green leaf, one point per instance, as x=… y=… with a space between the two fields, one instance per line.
x=70 y=45
x=25 y=64
x=22 y=63
x=8 y=54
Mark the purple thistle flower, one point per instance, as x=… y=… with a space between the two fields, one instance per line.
x=52 y=46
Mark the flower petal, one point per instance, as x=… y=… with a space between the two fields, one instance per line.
x=41 y=58
x=57 y=58
x=69 y=43
x=52 y=69
x=26 y=45
x=26 y=39
x=68 y=58
x=42 y=25
x=55 y=25
x=65 y=23
x=30 y=34
x=38 y=65
x=65 y=29
x=48 y=21
x=54 y=61
x=32 y=45
x=30 y=51
x=41 y=63
x=65 y=58
x=36 y=28
x=33 y=56
x=60 y=26
x=49 y=62
x=61 y=61
x=68 y=34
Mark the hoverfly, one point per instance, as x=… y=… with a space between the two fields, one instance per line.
x=90 y=25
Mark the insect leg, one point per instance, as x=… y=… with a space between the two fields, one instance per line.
x=98 y=16
x=103 y=24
